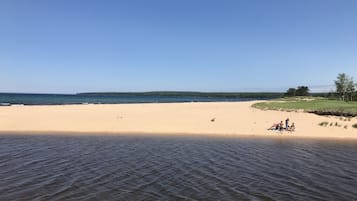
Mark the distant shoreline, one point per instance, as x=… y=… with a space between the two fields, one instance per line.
x=8 y=99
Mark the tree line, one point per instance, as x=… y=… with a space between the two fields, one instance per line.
x=345 y=88
x=299 y=91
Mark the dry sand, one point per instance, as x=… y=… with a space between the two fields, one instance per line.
x=218 y=119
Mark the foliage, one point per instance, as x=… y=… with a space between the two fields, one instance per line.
x=291 y=92
x=252 y=95
x=320 y=106
x=341 y=85
x=324 y=123
x=345 y=87
x=300 y=91
x=350 y=88
x=354 y=125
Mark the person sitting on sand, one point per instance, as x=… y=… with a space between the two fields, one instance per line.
x=281 y=126
x=274 y=127
x=292 y=127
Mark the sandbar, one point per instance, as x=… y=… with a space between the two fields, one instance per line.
x=212 y=118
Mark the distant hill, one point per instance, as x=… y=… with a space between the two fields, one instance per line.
x=262 y=95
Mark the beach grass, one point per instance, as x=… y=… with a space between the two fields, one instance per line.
x=324 y=123
x=319 y=106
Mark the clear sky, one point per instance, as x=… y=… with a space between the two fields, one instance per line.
x=68 y=46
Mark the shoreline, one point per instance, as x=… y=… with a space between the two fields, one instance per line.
x=174 y=135
x=216 y=119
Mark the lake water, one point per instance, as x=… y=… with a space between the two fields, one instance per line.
x=8 y=99
x=175 y=168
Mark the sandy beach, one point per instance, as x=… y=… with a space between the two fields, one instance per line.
x=218 y=119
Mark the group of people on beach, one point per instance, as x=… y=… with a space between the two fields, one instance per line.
x=281 y=127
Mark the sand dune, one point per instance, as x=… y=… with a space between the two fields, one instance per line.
x=221 y=119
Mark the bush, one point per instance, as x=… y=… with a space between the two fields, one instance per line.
x=324 y=123
x=354 y=125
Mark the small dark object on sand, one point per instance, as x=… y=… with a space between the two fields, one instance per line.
x=214 y=119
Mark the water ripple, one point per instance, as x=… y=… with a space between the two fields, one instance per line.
x=175 y=168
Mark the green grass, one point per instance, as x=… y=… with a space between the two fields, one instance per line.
x=315 y=105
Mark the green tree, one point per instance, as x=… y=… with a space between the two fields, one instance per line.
x=341 y=85
x=345 y=86
x=350 y=90
x=302 y=91
x=356 y=88
x=290 y=92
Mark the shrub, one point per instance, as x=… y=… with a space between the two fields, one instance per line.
x=338 y=125
x=324 y=123
x=354 y=125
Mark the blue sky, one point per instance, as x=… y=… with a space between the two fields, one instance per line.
x=68 y=46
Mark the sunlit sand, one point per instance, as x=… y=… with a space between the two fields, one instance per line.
x=218 y=119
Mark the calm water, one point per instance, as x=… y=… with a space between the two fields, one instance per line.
x=7 y=99
x=175 y=168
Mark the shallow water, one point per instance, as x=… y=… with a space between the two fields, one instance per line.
x=175 y=168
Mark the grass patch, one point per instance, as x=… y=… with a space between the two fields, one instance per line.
x=319 y=106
